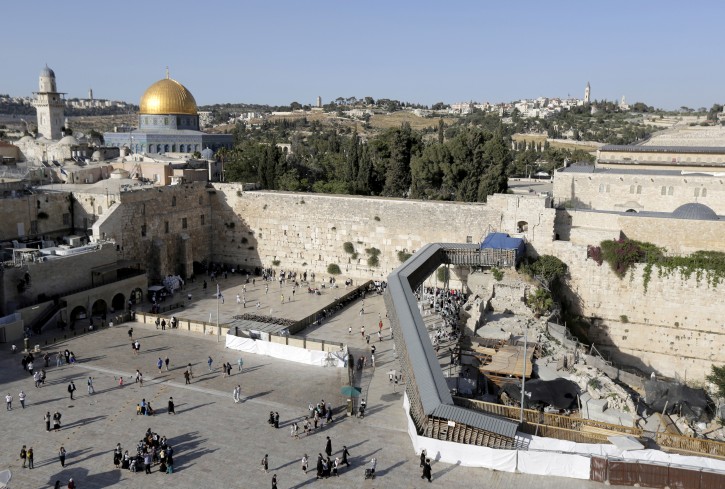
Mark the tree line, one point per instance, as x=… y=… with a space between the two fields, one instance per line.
x=469 y=166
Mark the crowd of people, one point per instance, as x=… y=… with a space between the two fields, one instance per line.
x=151 y=450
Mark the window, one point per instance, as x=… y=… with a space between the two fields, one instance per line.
x=143 y=230
x=469 y=239
x=173 y=201
x=663 y=191
x=66 y=219
x=200 y=201
x=202 y=219
x=166 y=227
x=33 y=227
x=639 y=189
x=183 y=223
x=704 y=192
x=670 y=190
x=601 y=188
x=697 y=192
x=100 y=210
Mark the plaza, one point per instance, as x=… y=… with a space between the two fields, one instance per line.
x=216 y=442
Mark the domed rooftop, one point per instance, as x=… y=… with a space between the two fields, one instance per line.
x=207 y=153
x=47 y=72
x=68 y=141
x=168 y=96
x=695 y=211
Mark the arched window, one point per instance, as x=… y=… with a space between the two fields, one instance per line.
x=704 y=192
x=522 y=226
x=639 y=189
x=671 y=191
x=173 y=201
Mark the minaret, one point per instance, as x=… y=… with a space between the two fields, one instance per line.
x=49 y=105
x=90 y=94
x=319 y=101
x=587 y=93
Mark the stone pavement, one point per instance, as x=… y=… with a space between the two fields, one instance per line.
x=218 y=443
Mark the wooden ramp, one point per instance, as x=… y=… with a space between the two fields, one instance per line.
x=509 y=361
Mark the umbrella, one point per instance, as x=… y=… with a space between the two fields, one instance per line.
x=350 y=391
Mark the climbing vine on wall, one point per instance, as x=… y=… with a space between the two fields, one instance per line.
x=623 y=253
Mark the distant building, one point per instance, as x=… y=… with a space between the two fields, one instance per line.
x=587 y=94
x=168 y=123
x=49 y=105
x=319 y=102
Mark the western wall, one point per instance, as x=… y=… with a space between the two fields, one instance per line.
x=306 y=232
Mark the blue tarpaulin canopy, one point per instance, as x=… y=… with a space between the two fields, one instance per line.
x=502 y=241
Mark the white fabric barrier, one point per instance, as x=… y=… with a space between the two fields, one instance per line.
x=603 y=450
x=545 y=456
x=554 y=463
x=286 y=352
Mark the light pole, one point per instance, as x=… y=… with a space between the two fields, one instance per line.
x=218 y=328
x=523 y=377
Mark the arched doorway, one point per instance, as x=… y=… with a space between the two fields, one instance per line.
x=166 y=148
x=136 y=296
x=78 y=312
x=119 y=302
x=99 y=308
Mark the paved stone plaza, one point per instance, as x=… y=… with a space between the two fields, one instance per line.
x=218 y=443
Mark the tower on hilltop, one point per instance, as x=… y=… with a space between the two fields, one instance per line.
x=49 y=105
x=587 y=94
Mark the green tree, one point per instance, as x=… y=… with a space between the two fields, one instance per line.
x=547 y=270
x=717 y=377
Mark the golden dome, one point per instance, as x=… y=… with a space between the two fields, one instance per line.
x=168 y=96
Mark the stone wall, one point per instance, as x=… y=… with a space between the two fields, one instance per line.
x=682 y=236
x=166 y=229
x=24 y=213
x=673 y=328
x=306 y=232
x=640 y=192
x=54 y=276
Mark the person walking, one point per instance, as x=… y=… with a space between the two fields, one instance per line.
x=71 y=484
x=328 y=447
x=209 y=362
x=240 y=363
x=166 y=361
x=305 y=462
x=274 y=481
x=191 y=372
x=171 y=407
x=24 y=455
x=423 y=455
x=71 y=389
x=56 y=421
x=186 y=377
x=46 y=418
x=147 y=462
x=30 y=457
x=159 y=364
x=61 y=456
x=236 y=392
x=426 y=470
x=345 y=454
x=91 y=390
x=21 y=398
x=9 y=402
x=264 y=465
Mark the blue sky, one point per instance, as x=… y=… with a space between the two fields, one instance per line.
x=664 y=53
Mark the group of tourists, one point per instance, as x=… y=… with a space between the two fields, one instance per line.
x=151 y=450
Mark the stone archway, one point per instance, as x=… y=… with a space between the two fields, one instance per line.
x=78 y=312
x=522 y=226
x=99 y=308
x=118 y=303
x=136 y=296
